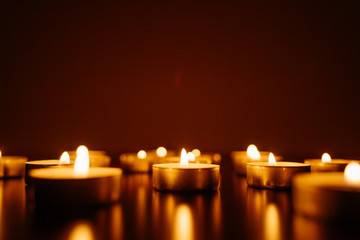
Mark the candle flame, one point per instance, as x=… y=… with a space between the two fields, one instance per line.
x=184 y=158
x=352 y=172
x=252 y=152
x=0 y=154
x=82 y=162
x=161 y=152
x=272 y=160
x=190 y=156
x=196 y=152
x=141 y=154
x=65 y=158
x=325 y=158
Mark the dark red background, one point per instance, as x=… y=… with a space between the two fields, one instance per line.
x=216 y=76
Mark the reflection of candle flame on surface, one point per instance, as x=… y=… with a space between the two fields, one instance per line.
x=81 y=231
x=252 y=152
x=116 y=222
x=272 y=160
x=65 y=158
x=184 y=158
x=161 y=152
x=141 y=154
x=272 y=222
x=196 y=152
x=190 y=156
x=326 y=158
x=352 y=172
x=82 y=160
x=183 y=229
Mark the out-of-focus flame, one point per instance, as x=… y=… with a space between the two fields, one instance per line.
x=272 y=160
x=325 y=158
x=252 y=152
x=81 y=231
x=161 y=152
x=184 y=158
x=0 y=154
x=196 y=152
x=352 y=172
x=82 y=162
x=141 y=154
x=190 y=156
x=65 y=158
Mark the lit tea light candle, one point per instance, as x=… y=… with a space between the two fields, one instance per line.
x=185 y=176
x=142 y=161
x=272 y=174
x=252 y=154
x=30 y=165
x=328 y=195
x=12 y=166
x=326 y=164
x=194 y=156
x=80 y=186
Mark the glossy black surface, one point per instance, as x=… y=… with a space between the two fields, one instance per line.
x=234 y=212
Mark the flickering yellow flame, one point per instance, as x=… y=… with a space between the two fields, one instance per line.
x=65 y=158
x=141 y=154
x=325 y=158
x=190 y=156
x=0 y=154
x=252 y=152
x=196 y=152
x=161 y=152
x=352 y=172
x=272 y=160
x=82 y=162
x=184 y=158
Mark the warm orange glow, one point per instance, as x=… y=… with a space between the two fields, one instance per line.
x=272 y=160
x=184 y=223
x=161 y=152
x=196 y=152
x=272 y=222
x=81 y=231
x=141 y=154
x=217 y=157
x=65 y=158
x=252 y=152
x=184 y=158
x=190 y=156
x=352 y=172
x=0 y=154
x=326 y=158
x=82 y=160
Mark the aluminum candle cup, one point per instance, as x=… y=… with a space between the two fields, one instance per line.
x=63 y=186
x=336 y=165
x=326 y=196
x=192 y=177
x=240 y=159
x=265 y=175
x=130 y=162
x=30 y=165
x=12 y=166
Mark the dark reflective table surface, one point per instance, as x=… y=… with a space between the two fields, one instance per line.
x=235 y=211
